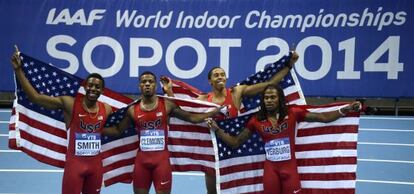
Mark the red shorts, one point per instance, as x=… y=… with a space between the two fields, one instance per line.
x=281 y=177
x=152 y=169
x=82 y=174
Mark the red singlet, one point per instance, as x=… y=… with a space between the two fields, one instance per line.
x=280 y=167
x=152 y=163
x=228 y=101
x=83 y=167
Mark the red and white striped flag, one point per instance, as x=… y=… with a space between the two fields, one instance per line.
x=189 y=144
x=326 y=155
x=42 y=134
x=39 y=132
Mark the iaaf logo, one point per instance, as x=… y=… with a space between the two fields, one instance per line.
x=79 y=17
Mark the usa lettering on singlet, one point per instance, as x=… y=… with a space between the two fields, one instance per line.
x=87 y=144
x=278 y=149
x=152 y=140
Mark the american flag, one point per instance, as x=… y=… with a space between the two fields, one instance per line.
x=326 y=153
x=190 y=145
x=42 y=134
x=326 y=156
x=39 y=132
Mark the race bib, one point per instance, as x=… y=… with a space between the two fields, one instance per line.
x=152 y=140
x=278 y=149
x=87 y=144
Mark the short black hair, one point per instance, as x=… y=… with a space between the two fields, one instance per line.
x=148 y=73
x=211 y=71
x=98 y=76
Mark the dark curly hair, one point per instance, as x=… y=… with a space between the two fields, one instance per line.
x=282 y=110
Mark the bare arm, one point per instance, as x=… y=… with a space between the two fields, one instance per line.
x=116 y=130
x=252 y=90
x=327 y=117
x=34 y=96
x=167 y=86
x=233 y=141
x=176 y=111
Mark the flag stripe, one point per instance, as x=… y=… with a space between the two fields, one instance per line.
x=292 y=97
x=251 y=166
x=12 y=130
x=42 y=127
x=122 y=174
x=193 y=167
x=326 y=146
x=178 y=127
x=330 y=190
x=43 y=143
x=122 y=149
x=203 y=157
x=327 y=168
x=326 y=153
x=120 y=163
x=183 y=91
x=326 y=161
x=325 y=184
x=328 y=130
x=330 y=176
x=188 y=142
x=243 y=181
x=180 y=87
x=250 y=188
x=43 y=154
x=327 y=138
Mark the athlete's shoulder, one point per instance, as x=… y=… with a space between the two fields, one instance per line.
x=203 y=97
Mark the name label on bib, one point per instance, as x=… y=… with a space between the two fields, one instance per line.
x=152 y=140
x=278 y=149
x=87 y=144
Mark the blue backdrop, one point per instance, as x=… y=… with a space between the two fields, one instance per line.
x=347 y=48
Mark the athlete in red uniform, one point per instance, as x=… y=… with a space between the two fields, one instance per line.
x=150 y=116
x=276 y=124
x=84 y=118
x=83 y=168
x=153 y=158
x=232 y=110
x=232 y=97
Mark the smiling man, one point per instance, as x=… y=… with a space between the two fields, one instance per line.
x=276 y=124
x=84 y=117
x=231 y=97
